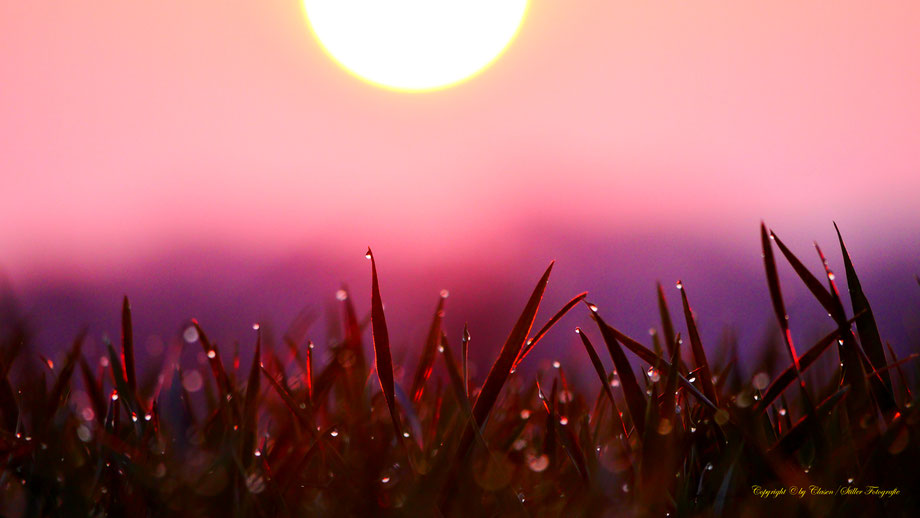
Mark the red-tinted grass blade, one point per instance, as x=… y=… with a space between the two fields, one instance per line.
x=426 y=362
x=666 y=323
x=127 y=345
x=250 y=402
x=894 y=360
x=599 y=369
x=776 y=297
x=532 y=342
x=382 y=358
x=696 y=346
x=811 y=282
x=786 y=377
x=217 y=367
x=635 y=396
x=62 y=383
x=465 y=344
x=865 y=325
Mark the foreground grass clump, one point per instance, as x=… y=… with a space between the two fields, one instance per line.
x=305 y=434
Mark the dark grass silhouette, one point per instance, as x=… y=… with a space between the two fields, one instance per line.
x=311 y=433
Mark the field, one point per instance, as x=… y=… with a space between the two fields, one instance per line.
x=328 y=430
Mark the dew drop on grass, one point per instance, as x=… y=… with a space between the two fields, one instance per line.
x=680 y=285
x=850 y=480
x=563 y=420
x=114 y=395
x=134 y=416
x=334 y=433
x=556 y=364
x=593 y=307
x=368 y=254
x=406 y=435
x=440 y=348
x=525 y=414
x=782 y=411
x=538 y=463
x=255 y=327
x=341 y=295
x=148 y=417
x=445 y=294
x=212 y=354
x=615 y=382
x=190 y=335
x=654 y=375
x=385 y=480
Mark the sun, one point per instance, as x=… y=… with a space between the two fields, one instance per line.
x=415 y=45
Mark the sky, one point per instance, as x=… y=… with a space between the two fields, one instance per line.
x=135 y=135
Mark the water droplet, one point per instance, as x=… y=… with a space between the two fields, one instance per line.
x=538 y=463
x=709 y=466
x=519 y=444
x=134 y=416
x=680 y=285
x=212 y=354
x=653 y=374
x=334 y=433
x=440 y=348
x=341 y=295
x=831 y=276
x=850 y=480
x=593 y=307
x=625 y=487
x=257 y=453
x=761 y=380
x=563 y=420
x=577 y=330
x=148 y=417
x=691 y=379
x=190 y=335
x=255 y=327
x=114 y=395
x=368 y=254
x=385 y=480
x=782 y=411
x=525 y=414
x=445 y=294
x=615 y=382
x=406 y=434
x=556 y=364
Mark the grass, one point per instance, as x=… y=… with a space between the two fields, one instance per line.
x=327 y=433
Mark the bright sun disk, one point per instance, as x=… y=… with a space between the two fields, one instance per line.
x=415 y=45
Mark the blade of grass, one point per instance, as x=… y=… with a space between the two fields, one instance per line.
x=599 y=369
x=532 y=342
x=696 y=346
x=426 y=361
x=382 y=358
x=666 y=323
x=865 y=325
x=127 y=345
x=635 y=397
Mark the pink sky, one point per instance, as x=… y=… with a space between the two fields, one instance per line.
x=129 y=128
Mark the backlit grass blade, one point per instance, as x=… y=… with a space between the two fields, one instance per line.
x=382 y=359
x=532 y=342
x=651 y=358
x=811 y=282
x=790 y=374
x=865 y=325
x=250 y=408
x=696 y=347
x=635 y=396
x=62 y=383
x=666 y=324
x=599 y=369
x=426 y=361
x=501 y=369
x=799 y=432
x=465 y=344
x=127 y=345
x=217 y=367
x=776 y=297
